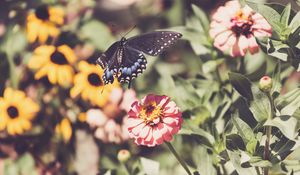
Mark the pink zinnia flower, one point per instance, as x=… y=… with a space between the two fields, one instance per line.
x=153 y=120
x=234 y=29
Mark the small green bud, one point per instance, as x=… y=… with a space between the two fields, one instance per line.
x=265 y=84
x=124 y=155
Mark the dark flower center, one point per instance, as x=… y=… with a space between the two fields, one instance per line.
x=94 y=79
x=58 y=58
x=149 y=109
x=42 y=13
x=245 y=29
x=12 y=112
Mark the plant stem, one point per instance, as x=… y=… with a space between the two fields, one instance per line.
x=257 y=170
x=183 y=164
x=12 y=67
x=268 y=133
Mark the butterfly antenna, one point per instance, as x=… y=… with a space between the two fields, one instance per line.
x=130 y=30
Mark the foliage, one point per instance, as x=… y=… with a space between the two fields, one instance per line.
x=230 y=126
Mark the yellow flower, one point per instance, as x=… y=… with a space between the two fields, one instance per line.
x=53 y=62
x=43 y=23
x=89 y=84
x=64 y=129
x=82 y=117
x=16 y=112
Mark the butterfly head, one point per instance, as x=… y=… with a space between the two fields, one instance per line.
x=123 y=41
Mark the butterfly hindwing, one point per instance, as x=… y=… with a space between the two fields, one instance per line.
x=154 y=43
x=134 y=63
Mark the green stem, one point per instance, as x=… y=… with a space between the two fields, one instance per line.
x=257 y=170
x=12 y=67
x=268 y=133
x=242 y=65
x=183 y=164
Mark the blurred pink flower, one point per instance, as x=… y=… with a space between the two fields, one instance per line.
x=153 y=120
x=234 y=29
x=111 y=121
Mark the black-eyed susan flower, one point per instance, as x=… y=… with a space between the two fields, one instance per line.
x=16 y=112
x=44 y=22
x=88 y=83
x=64 y=129
x=55 y=63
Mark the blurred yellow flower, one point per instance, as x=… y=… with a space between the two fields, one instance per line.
x=43 y=22
x=82 y=117
x=64 y=129
x=89 y=84
x=53 y=62
x=16 y=112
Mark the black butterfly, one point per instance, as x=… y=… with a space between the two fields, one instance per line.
x=125 y=59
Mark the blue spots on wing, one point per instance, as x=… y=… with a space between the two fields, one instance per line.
x=108 y=76
x=130 y=72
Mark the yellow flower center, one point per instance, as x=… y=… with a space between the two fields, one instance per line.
x=58 y=58
x=94 y=79
x=150 y=112
x=42 y=13
x=241 y=15
x=13 y=112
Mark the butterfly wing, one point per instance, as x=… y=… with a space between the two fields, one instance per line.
x=153 y=43
x=108 y=55
x=134 y=63
x=109 y=61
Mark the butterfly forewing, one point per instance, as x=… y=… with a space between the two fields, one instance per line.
x=154 y=43
x=108 y=56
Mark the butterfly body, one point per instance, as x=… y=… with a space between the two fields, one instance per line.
x=125 y=59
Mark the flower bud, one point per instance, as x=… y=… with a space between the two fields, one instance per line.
x=123 y=155
x=265 y=84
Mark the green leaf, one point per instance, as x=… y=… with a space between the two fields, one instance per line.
x=260 y=106
x=27 y=165
x=235 y=159
x=241 y=84
x=198 y=40
x=276 y=86
x=150 y=166
x=277 y=49
x=185 y=94
x=271 y=15
x=189 y=128
x=295 y=23
x=286 y=124
x=10 y=167
x=285 y=15
x=255 y=65
x=243 y=129
x=288 y=103
x=200 y=114
x=203 y=161
x=211 y=65
x=257 y=161
x=202 y=16
x=14 y=42
x=97 y=33
x=235 y=142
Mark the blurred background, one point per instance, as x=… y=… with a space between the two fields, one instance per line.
x=77 y=129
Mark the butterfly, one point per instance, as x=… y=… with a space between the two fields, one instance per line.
x=125 y=59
